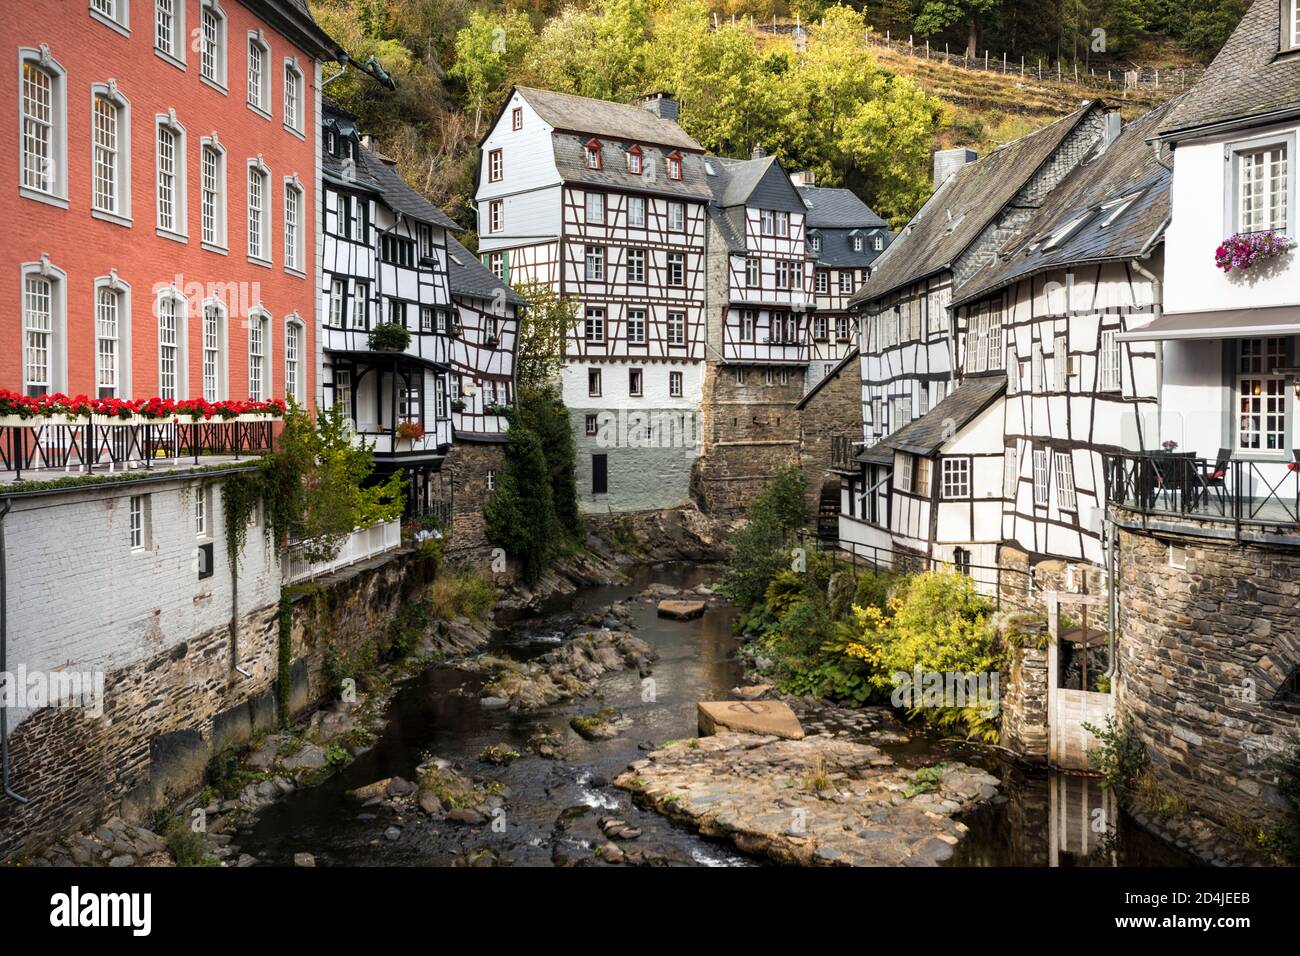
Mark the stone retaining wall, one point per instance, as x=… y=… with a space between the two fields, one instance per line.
x=1203 y=653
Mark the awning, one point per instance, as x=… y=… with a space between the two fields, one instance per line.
x=1222 y=324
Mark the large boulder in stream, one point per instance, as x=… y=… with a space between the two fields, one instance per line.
x=681 y=610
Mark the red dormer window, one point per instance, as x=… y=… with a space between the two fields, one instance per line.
x=634 y=160
x=592 y=151
x=674 y=165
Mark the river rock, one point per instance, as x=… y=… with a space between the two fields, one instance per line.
x=749 y=716
x=817 y=801
x=304 y=859
x=310 y=757
x=681 y=610
x=752 y=692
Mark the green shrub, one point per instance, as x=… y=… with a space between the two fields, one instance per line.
x=187 y=847
x=763 y=546
x=389 y=337
x=1121 y=759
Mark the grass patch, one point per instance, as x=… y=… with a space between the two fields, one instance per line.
x=464 y=593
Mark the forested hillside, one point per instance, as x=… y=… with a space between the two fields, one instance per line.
x=831 y=103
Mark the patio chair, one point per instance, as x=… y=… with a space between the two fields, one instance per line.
x=1216 y=477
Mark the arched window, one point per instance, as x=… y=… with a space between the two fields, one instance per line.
x=112 y=337
x=43 y=170
x=172 y=309
x=294 y=254
x=214 y=350
x=212 y=192
x=212 y=44
x=293 y=96
x=259 y=347
x=293 y=353
x=110 y=128
x=259 y=74
x=169 y=30
x=172 y=216
x=259 y=212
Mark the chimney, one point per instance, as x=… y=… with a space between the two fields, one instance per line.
x=1114 y=123
x=662 y=105
x=805 y=177
x=758 y=153
x=948 y=161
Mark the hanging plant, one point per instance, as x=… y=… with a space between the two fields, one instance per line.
x=389 y=337
x=1244 y=249
x=410 y=431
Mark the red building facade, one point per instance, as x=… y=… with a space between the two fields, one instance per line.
x=161 y=195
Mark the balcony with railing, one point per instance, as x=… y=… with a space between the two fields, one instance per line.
x=844 y=451
x=46 y=448
x=1241 y=497
x=361 y=545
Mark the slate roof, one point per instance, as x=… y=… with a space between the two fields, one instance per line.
x=399 y=196
x=293 y=17
x=927 y=434
x=571 y=162
x=1247 y=79
x=1126 y=168
x=837 y=209
x=963 y=206
x=469 y=277
x=877 y=454
x=582 y=114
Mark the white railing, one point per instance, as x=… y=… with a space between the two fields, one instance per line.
x=361 y=545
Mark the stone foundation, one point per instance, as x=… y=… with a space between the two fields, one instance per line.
x=1203 y=653
x=468 y=464
x=167 y=715
x=1024 y=704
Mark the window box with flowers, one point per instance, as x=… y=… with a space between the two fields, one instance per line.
x=458 y=405
x=455 y=330
x=57 y=408
x=496 y=408
x=389 y=337
x=1243 y=250
x=410 y=431
x=492 y=341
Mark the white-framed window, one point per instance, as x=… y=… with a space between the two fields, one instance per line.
x=293 y=365
x=1010 y=474
x=517 y=118
x=595 y=207
x=212 y=45
x=821 y=282
x=44 y=320
x=902 y=411
x=212 y=194
x=360 y=315
x=595 y=263
x=495 y=166
x=112 y=337
x=171 y=179
x=1263 y=187
x=259 y=74
x=214 y=351
x=1110 y=360
x=636 y=211
x=294 y=238
x=591 y=153
x=490 y=479
x=1261 y=395
x=1040 y=476
x=497 y=264
x=294 y=89
x=857 y=243
x=782 y=223
x=636 y=326
x=677 y=216
x=1063 y=467
x=636 y=265
x=594 y=329
x=496 y=216
x=819 y=327
x=113 y=13
x=169 y=30
x=906 y=464
x=110 y=125
x=753 y=273
x=259 y=213
x=43 y=111
x=675 y=384
x=676 y=327
x=877 y=416
x=259 y=327
x=634 y=160
x=677 y=268
x=171 y=344
x=1037 y=369
x=136 y=522
x=343 y=390
x=200 y=512
x=674 y=165
x=878 y=243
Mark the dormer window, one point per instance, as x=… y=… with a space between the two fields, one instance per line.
x=878 y=243
x=634 y=160
x=857 y=243
x=674 y=166
x=331 y=143
x=592 y=154
x=815 y=243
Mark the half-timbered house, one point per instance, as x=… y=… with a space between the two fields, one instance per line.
x=605 y=203
x=384 y=267
x=844 y=238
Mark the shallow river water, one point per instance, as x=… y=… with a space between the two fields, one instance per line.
x=1042 y=818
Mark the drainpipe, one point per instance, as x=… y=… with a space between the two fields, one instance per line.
x=4 y=657
x=1157 y=309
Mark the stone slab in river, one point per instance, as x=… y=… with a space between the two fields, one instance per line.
x=749 y=717
x=681 y=610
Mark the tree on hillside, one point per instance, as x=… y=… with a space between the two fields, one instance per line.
x=542 y=330
x=938 y=15
x=487 y=50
